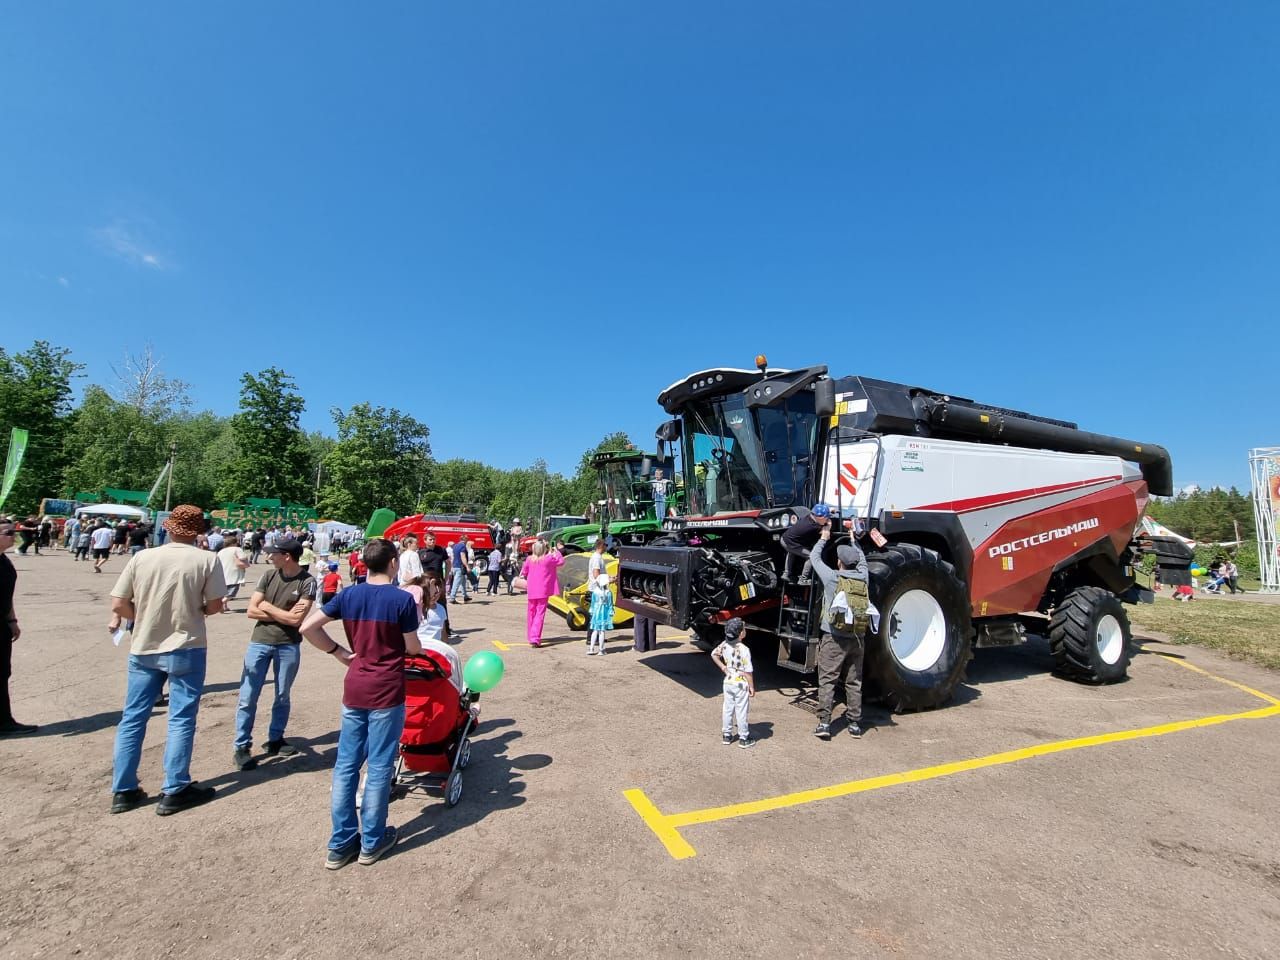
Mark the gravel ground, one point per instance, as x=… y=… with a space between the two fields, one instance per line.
x=1162 y=847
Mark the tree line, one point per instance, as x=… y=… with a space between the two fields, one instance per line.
x=121 y=435
x=1215 y=515
x=1211 y=517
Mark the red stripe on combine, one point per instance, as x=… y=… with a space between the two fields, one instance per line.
x=1012 y=496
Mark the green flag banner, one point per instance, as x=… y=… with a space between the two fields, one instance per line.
x=17 y=447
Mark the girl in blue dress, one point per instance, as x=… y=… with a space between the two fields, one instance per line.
x=601 y=613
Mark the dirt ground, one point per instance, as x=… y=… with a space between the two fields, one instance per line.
x=1157 y=846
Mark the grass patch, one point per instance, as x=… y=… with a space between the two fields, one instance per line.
x=1245 y=631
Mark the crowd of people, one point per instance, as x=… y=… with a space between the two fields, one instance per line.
x=393 y=602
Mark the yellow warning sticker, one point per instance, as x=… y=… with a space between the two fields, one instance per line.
x=1006 y=563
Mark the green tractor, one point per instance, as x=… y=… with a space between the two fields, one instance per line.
x=626 y=515
x=625 y=511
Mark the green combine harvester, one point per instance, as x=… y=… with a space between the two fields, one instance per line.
x=626 y=515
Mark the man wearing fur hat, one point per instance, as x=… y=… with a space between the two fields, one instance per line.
x=167 y=592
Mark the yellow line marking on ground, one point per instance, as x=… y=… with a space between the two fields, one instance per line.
x=667 y=826
x=1230 y=683
x=500 y=645
x=676 y=845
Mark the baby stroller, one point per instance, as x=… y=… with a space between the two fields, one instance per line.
x=434 y=748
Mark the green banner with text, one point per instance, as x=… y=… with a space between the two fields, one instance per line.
x=17 y=447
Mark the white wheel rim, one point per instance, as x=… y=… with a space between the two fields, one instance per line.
x=917 y=630
x=1110 y=639
x=455 y=789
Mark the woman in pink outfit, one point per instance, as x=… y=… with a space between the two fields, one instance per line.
x=539 y=575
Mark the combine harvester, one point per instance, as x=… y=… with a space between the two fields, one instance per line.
x=980 y=524
x=626 y=512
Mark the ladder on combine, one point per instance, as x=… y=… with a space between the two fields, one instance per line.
x=799 y=619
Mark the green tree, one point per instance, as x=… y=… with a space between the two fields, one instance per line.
x=461 y=486
x=113 y=444
x=35 y=394
x=206 y=446
x=381 y=459
x=272 y=453
x=1211 y=515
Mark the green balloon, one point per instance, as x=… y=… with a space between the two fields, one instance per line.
x=483 y=671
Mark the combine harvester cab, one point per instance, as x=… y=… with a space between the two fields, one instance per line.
x=980 y=524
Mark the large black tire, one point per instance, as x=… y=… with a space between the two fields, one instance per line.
x=918 y=656
x=1090 y=638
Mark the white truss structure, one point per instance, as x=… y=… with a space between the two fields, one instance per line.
x=1264 y=468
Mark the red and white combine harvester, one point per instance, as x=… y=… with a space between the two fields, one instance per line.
x=980 y=524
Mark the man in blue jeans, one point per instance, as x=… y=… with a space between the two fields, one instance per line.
x=279 y=604
x=381 y=624
x=167 y=592
x=458 y=557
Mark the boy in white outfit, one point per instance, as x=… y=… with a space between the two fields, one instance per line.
x=734 y=660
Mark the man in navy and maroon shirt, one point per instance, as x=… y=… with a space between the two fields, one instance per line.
x=381 y=623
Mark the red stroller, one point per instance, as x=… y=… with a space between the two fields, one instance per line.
x=434 y=748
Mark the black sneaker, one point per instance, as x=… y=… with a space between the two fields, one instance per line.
x=192 y=795
x=281 y=748
x=12 y=728
x=122 y=801
x=822 y=731
x=746 y=743
x=389 y=837
x=337 y=859
x=726 y=738
x=855 y=730
x=242 y=759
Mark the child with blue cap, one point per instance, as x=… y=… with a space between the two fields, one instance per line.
x=734 y=660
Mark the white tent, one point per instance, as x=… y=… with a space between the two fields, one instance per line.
x=1156 y=529
x=111 y=510
x=333 y=526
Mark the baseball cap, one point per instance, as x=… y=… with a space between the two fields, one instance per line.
x=734 y=628
x=847 y=555
x=821 y=510
x=285 y=545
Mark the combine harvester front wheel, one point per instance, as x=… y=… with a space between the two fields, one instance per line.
x=918 y=656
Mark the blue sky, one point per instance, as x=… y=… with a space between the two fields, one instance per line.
x=519 y=221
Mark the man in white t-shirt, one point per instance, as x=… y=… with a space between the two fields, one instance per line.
x=167 y=592
x=100 y=540
x=596 y=565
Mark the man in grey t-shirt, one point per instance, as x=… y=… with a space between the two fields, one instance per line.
x=280 y=602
